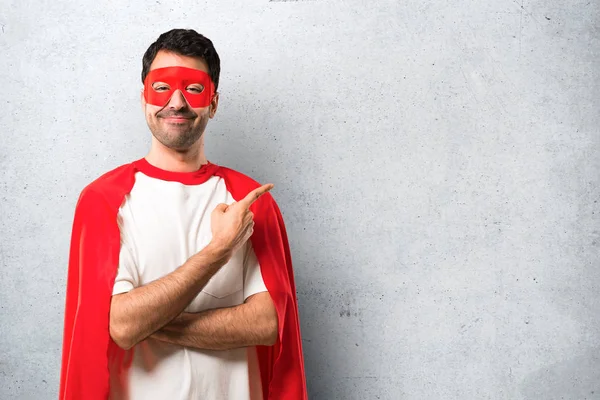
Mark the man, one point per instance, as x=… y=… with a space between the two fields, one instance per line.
x=166 y=296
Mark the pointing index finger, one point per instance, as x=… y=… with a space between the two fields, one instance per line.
x=255 y=194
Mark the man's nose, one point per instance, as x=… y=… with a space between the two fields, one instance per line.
x=177 y=100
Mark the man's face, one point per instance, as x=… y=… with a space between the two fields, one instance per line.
x=176 y=124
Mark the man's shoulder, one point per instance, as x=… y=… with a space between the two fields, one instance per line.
x=115 y=182
x=240 y=184
x=237 y=177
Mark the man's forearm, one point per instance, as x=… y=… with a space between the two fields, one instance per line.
x=248 y=324
x=140 y=312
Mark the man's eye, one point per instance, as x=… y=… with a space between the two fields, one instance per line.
x=161 y=88
x=195 y=89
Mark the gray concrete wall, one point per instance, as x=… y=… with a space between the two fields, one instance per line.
x=437 y=165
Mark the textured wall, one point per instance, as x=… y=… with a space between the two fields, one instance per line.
x=437 y=165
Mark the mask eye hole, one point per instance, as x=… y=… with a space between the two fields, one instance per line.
x=160 y=87
x=195 y=88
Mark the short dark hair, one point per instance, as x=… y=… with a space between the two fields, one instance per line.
x=186 y=42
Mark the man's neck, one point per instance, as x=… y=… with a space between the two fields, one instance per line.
x=177 y=161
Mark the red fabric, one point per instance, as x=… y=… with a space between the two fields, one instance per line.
x=179 y=78
x=281 y=365
x=88 y=351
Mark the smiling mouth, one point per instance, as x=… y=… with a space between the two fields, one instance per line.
x=176 y=119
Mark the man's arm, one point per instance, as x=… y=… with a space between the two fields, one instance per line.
x=140 y=312
x=137 y=314
x=250 y=324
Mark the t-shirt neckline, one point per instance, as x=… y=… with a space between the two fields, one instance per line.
x=189 y=178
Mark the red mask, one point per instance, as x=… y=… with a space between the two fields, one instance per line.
x=182 y=78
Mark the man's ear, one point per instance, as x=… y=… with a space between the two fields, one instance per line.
x=142 y=100
x=214 y=104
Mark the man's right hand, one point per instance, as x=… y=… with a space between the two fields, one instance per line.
x=232 y=225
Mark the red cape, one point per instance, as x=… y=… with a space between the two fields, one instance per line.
x=88 y=350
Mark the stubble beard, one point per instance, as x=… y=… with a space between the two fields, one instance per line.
x=177 y=138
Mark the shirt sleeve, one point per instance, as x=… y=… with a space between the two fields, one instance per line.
x=253 y=280
x=127 y=273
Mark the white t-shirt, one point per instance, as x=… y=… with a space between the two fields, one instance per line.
x=162 y=224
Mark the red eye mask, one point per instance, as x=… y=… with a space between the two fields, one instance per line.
x=182 y=78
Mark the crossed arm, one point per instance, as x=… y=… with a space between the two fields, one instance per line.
x=249 y=324
x=156 y=310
